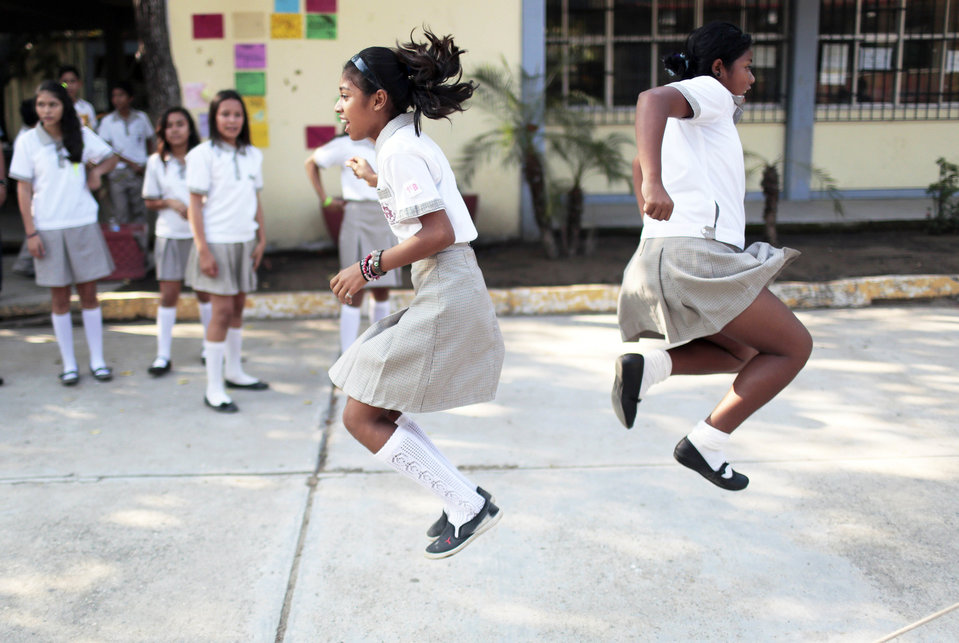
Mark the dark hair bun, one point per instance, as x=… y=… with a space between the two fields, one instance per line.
x=676 y=64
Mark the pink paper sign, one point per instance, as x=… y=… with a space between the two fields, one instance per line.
x=207 y=25
x=250 y=56
x=317 y=135
x=321 y=6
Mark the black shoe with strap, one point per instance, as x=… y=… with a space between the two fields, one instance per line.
x=689 y=456
x=629 y=377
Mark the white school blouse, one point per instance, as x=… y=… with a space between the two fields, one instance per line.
x=86 y=113
x=229 y=179
x=337 y=152
x=128 y=136
x=167 y=180
x=415 y=179
x=703 y=169
x=61 y=198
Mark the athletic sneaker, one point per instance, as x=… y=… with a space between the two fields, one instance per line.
x=449 y=543
x=437 y=527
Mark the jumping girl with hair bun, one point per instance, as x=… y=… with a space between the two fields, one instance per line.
x=691 y=281
x=445 y=350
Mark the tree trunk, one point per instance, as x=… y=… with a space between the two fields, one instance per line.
x=159 y=71
x=574 y=219
x=535 y=179
x=770 y=188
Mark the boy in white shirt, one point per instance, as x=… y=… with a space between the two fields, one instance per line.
x=70 y=77
x=130 y=133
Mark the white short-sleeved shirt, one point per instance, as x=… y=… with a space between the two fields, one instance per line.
x=703 y=169
x=415 y=179
x=128 y=136
x=167 y=180
x=86 y=113
x=337 y=152
x=61 y=198
x=229 y=178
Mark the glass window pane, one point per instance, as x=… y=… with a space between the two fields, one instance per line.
x=764 y=16
x=834 y=82
x=554 y=18
x=724 y=10
x=767 y=61
x=837 y=16
x=632 y=17
x=925 y=16
x=676 y=17
x=587 y=17
x=554 y=71
x=587 y=73
x=631 y=72
x=880 y=16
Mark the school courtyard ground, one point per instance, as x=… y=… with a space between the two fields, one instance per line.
x=129 y=512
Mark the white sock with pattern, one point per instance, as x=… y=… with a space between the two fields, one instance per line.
x=709 y=441
x=215 y=392
x=380 y=310
x=408 y=421
x=349 y=325
x=657 y=366
x=413 y=455
x=233 y=368
x=63 y=331
x=93 y=329
x=166 y=318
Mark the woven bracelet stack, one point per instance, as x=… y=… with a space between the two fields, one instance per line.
x=371 y=267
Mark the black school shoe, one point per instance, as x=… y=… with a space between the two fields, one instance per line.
x=688 y=456
x=629 y=376
x=449 y=543
x=157 y=371
x=258 y=385
x=222 y=407
x=437 y=527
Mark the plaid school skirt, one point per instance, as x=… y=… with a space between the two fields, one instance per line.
x=444 y=351
x=683 y=288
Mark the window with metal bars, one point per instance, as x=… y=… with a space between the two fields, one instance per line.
x=888 y=60
x=600 y=54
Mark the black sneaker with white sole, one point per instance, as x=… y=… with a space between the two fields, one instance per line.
x=437 y=527
x=450 y=543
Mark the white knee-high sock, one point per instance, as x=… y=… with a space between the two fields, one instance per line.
x=408 y=421
x=657 y=366
x=166 y=318
x=63 y=331
x=215 y=392
x=233 y=369
x=710 y=441
x=380 y=310
x=349 y=325
x=93 y=329
x=413 y=455
x=206 y=313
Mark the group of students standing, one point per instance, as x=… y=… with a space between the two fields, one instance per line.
x=691 y=281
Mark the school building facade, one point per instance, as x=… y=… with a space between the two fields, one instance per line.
x=866 y=91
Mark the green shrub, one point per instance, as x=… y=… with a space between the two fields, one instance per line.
x=944 y=218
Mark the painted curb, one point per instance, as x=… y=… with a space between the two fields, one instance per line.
x=546 y=300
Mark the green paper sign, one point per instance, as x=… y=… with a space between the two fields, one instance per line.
x=251 y=83
x=321 y=26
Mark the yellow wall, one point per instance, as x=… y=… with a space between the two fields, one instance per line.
x=877 y=155
x=301 y=79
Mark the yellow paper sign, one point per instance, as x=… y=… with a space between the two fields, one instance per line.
x=260 y=134
x=286 y=25
x=255 y=108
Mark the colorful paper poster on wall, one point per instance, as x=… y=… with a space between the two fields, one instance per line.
x=251 y=83
x=203 y=124
x=207 y=25
x=286 y=6
x=286 y=25
x=255 y=108
x=250 y=56
x=249 y=25
x=193 y=96
x=317 y=135
x=260 y=134
x=321 y=6
x=321 y=26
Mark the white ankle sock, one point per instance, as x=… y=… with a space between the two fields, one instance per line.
x=657 y=366
x=93 y=329
x=233 y=368
x=413 y=455
x=380 y=310
x=63 y=331
x=215 y=392
x=710 y=441
x=206 y=312
x=349 y=325
x=166 y=318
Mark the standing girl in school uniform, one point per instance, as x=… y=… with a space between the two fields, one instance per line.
x=164 y=190
x=445 y=350
x=57 y=164
x=364 y=226
x=690 y=280
x=224 y=177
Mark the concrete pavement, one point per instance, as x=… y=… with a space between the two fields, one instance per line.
x=128 y=512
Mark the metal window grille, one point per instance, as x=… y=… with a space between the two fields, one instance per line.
x=600 y=54
x=888 y=60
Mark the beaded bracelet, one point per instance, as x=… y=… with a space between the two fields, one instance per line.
x=375 y=263
x=365 y=269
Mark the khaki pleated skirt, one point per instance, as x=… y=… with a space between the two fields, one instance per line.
x=682 y=288
x=235 y=273
x=171 y=258
x=364 y=230
x=442 y=352
x=73 y=256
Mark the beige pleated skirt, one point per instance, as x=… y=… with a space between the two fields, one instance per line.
x=171 y=257
x=442 y=352
x=682 y=288
x=235 y=273
x=75 y=255
x=364 y=230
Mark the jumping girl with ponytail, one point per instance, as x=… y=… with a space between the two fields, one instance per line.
x=445 y=350
x=690 y=280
